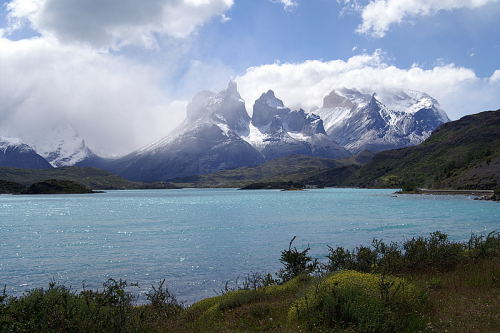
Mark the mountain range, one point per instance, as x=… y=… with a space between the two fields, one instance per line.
x=460 y=155
x=218 y=133
x=396 y=119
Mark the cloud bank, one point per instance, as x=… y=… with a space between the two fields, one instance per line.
x=67 y=74
x=112 y=101
x=113 y=24
x=378 y=15
x=303 y=85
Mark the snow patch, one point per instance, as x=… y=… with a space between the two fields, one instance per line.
x=6 y=143
x=256 y=137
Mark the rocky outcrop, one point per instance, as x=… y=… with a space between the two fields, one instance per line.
x=278 y=131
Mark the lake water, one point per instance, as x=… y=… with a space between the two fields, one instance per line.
x=197 y=239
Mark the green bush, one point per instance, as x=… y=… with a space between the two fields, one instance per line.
x=361 y=301
x=436 y=253
x=481 y=246
x=296 y=263
x=110 y=309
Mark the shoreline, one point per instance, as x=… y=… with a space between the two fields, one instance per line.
x=459 y=192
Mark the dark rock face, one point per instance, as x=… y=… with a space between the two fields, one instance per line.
x=14 y=153
x=287 y=132
x=267 y=108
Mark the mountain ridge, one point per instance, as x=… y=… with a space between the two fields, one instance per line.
x=395 y=119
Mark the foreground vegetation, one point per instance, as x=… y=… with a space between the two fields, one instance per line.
x=426 y=284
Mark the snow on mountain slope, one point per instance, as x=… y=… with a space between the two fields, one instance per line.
x=392 y=119
x=62 y=146
x=15 y=153
x=277 y=131
x=205 y=142
x=14 y=143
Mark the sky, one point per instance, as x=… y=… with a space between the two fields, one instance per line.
x=122 y=71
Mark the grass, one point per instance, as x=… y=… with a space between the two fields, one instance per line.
x=377 y=288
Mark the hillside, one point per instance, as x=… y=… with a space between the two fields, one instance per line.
x=54 y=186
x=294 y=167
x=462 y=154
x=91 y=178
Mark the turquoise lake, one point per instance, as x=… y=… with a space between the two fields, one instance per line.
x=197 y=239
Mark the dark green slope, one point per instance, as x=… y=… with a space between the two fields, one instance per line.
x=293 y=167
x=462 y=154
x=54 y=186
x=92 y=178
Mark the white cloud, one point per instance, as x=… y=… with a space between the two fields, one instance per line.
x=379 y=15
x=495 y=78
x=107 y=24
x=287 y=4
x=116 y=104
x=304 y=85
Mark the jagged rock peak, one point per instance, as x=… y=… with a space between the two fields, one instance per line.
x=384 y=120
x=266 y=108
x=225 y=107
x=270 y=100
x=232 y=88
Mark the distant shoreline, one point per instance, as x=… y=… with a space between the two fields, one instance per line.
x=459 y=192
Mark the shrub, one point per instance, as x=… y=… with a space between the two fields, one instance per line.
x=435 y=253
x=364 y=302
x=110 y=309
x=480 y=246
x=296 y=263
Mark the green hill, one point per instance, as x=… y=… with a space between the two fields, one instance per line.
x=92 y=178
x=462 y=154
x=294 y=168
x=54 y=186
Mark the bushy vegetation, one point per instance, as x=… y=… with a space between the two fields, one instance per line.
x=425 y=284
x=434 y=253
x=364 y=302
x=110 y=309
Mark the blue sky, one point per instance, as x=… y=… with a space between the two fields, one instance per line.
x=122 y=72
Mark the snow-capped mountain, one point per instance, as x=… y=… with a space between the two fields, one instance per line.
x=62 y=146
x=219 y=134
x=277 y=131
x=394 y=119
x=15 y=153
x=205 y=142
